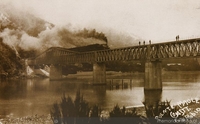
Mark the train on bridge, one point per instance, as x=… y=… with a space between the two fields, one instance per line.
x=150 y=55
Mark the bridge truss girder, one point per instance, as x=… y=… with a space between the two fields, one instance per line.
x=150 y=52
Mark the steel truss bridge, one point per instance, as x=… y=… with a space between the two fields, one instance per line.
x=149 y=52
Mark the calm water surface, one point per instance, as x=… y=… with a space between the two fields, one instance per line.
x=20 y=98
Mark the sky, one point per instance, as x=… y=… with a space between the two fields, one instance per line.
x=155 y=20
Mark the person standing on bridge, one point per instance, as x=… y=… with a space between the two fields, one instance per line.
x=178 y=37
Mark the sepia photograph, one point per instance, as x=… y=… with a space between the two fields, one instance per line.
x=99 y=62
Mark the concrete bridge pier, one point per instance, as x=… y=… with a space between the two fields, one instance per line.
x=99 y=73
x=55 y=72
x=153 y=75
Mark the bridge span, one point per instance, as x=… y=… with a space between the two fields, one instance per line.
x=151 y=54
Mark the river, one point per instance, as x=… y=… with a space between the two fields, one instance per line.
x=19 y=98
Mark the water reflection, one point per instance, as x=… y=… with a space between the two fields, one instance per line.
x=29 y=85
x=100 y=91
x=12 y=90
x=36 y=96
x=151 y=100
x=97 y=95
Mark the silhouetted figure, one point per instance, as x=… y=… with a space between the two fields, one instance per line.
x=144 y=42
x=139 y=42
x=177 y=38
x=149 y=41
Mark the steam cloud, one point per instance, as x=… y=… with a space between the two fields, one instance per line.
x=23 y=30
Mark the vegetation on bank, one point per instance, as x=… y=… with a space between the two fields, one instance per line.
x=79 y=112
x=35 y=119
x=11 y=64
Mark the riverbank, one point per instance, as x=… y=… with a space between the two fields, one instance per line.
x=46 y=119
x=36 y=119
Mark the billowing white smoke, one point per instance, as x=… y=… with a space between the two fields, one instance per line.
x=28 y=42
x=28 y=32
x=18 y=38
x=49 y=38
x=57 y=36
x=10 y=37
x=23 y=30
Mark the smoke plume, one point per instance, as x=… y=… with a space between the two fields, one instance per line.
x=28 y=32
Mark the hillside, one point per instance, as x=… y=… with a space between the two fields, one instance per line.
x=10 y=63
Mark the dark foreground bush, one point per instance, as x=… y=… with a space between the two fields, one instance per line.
x=123 y=116
x=79 y=112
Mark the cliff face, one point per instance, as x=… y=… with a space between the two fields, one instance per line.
x=10 y=62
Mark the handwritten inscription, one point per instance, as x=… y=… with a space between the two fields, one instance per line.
x=181 y=109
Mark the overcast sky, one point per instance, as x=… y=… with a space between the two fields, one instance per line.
x=158 y=20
